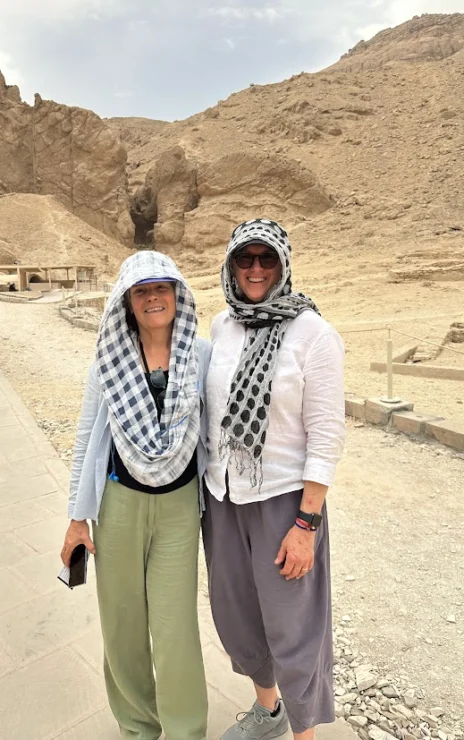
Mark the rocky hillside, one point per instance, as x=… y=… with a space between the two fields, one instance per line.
x=365 y=157
x=363 y=162
x=51 y=149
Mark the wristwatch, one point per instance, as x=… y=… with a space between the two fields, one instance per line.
x=312 y=521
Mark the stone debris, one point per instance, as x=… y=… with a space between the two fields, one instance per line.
x=364 y=678
x=383 y=707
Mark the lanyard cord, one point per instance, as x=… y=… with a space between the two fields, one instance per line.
x=144 y=359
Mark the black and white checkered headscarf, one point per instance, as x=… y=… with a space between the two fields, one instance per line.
x=245 y=424
x=155 y=452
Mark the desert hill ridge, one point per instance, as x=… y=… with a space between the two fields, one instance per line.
x=361 y=159
x=429 y=37
x=384 y=144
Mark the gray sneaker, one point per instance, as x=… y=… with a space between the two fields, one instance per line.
x=258 y=724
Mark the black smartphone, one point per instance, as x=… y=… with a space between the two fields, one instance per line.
x=76 y=574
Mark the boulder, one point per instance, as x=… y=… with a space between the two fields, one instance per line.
x=241 y=185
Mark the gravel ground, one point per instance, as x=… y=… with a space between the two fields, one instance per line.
x=397 y=512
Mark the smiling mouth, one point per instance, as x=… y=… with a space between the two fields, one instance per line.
x=256 y=280
x=158 y=309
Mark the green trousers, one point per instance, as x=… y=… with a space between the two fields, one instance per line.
x=147 y=568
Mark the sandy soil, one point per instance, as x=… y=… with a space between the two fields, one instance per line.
x=396 y=511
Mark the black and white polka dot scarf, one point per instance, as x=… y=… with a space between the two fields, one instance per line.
x=244 y=426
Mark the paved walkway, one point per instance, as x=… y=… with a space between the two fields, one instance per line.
x=51 y=683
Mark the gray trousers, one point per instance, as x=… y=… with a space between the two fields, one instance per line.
x=275 y=631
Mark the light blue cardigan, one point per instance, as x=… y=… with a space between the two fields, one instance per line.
x=93 y=443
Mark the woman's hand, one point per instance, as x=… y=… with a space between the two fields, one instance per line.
x=297 y=549
x=77 y=534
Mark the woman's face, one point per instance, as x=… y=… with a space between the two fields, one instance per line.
x=153 y=304
x=256 y=281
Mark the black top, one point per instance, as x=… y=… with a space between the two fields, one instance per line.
x=116 y=465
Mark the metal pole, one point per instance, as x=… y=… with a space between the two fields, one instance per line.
x=389 y=365
x=389 y=398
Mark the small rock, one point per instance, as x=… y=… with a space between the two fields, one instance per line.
x=358 y=721
x=410 y=699
x=390 y=692
x=375 y=733
x=451 y=619
x=404 y=711
x=348 y=698
x=364 y=678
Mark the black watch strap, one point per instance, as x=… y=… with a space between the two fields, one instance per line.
x=314 y=520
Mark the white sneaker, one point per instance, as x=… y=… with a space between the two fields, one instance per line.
x=258 y=724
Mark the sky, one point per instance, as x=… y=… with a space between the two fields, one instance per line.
x=168 y=59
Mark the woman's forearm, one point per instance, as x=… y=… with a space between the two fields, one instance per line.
x=313 y=497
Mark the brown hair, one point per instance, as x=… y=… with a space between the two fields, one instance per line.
x=130 y=318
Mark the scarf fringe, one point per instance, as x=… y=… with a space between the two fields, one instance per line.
x=243 y=458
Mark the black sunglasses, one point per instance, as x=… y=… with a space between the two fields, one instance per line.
x=267 y=260
x=158 y=382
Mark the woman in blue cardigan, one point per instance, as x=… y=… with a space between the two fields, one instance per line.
x=137 y=469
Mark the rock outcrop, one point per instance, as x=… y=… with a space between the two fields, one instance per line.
x=16 y=160
x=183 y=205
x=52 y=149
x=170 y=191
x=242 y=185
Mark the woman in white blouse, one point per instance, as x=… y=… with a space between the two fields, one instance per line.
x=276 y=431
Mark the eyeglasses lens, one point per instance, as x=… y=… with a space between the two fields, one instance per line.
x=158 y=380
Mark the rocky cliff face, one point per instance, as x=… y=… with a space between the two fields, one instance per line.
x=16 y=168
x=52 y=149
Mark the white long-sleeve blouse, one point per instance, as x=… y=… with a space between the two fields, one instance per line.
x=306 y=431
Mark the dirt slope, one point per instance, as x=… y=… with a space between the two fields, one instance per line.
x=38 y=229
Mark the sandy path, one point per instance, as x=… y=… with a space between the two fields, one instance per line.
x=397 y=513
